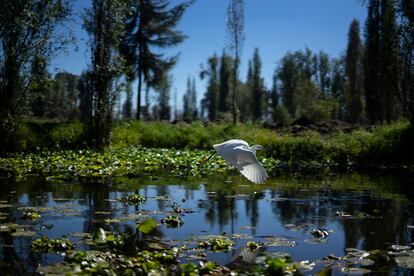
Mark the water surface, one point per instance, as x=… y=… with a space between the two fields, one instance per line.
x=366 y=212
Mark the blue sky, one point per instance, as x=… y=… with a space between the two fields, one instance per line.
x=274 y=26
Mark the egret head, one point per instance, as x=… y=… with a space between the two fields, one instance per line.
x=256 y=147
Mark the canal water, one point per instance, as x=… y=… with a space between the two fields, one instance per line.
x=331 y=221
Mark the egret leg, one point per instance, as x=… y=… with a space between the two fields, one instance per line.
x=205 y=160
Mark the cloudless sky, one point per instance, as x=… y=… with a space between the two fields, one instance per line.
x=273 y=26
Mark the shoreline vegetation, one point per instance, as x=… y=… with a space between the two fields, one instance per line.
x=48 y=147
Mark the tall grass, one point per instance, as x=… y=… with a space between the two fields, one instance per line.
x=382 y=145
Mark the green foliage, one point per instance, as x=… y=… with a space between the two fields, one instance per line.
x=151 y=26
x=280 y=266
x=253 y=245
x=133 y=199
x=281 y=115
x=183 y=152
x=217 y=244
x=32 y=216
x=172 y=221
x=42 y=134
x=147 y=226
x=45 y=244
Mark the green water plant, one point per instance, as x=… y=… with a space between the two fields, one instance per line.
x=45 y=244
x=217 y=244
x=31 y=216
x=133 y=199
x=172 y=221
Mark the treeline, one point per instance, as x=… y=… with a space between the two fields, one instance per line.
x=125 y=39
x=371 y=82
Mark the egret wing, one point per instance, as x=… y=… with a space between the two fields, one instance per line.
x=246 y=161
x=255 y=173
x=229 y=150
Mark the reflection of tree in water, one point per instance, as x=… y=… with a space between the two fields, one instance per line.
x=96 y=200
x=252 y=210
x=15 y=256
x=222 y=209
x=162 y=190
x=377 y=233
x=302 y=206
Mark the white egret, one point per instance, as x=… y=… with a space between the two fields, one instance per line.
x=238 y=154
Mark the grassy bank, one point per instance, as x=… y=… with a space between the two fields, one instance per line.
x=383 y=145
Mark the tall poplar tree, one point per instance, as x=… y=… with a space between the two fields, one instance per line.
x=257 y=86
x=353 y=70
x=149 y=28
x=381 y=66
x=103 y=22
x=373 y=97
x=407 y=58
x=389 y=62
x=236 y=36
x=210 y=99
x=225 y=73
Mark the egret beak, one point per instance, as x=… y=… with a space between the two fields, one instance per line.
x=206 y=159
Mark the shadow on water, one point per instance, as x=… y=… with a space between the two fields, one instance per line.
x=360 y=211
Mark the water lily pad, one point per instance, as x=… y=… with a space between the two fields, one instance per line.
x=405 y=261
x=99 y=236
x=316 y=241
x=172 y=221
x=55 y=269
x=397 y=247
x=81 y=235
x=360 y=261
x=247 y=227
x=23 y=233
x=355 y=270
x=147 y=225
x=102 y=213
x=8 y=227
x=241 y=236
x=279 y=241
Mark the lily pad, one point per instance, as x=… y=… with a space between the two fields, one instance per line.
x=23 y=233
x=279 y=241
x=147 y=225
x=405 y=261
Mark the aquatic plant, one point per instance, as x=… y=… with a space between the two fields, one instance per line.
x=133 y=199
x=217 y=244
x=172 y=221
x=45 y=244
x=31 y=216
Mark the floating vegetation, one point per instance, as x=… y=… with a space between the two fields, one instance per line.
x=133 y=199
x=217 y=244
x=279 y=241
x=280 y=266
x=172 y=221
x=253 y=245
x=23 y=233
x=31 y=216
x=320 y=233
x=147 y=226
x=45 y=244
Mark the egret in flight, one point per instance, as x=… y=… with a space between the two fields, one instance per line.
x=238 y=154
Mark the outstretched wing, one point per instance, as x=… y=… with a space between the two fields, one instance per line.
x=238 y=154
x=228 y=150
x=251 y=168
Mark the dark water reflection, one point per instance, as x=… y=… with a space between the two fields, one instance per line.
x=221 y=204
